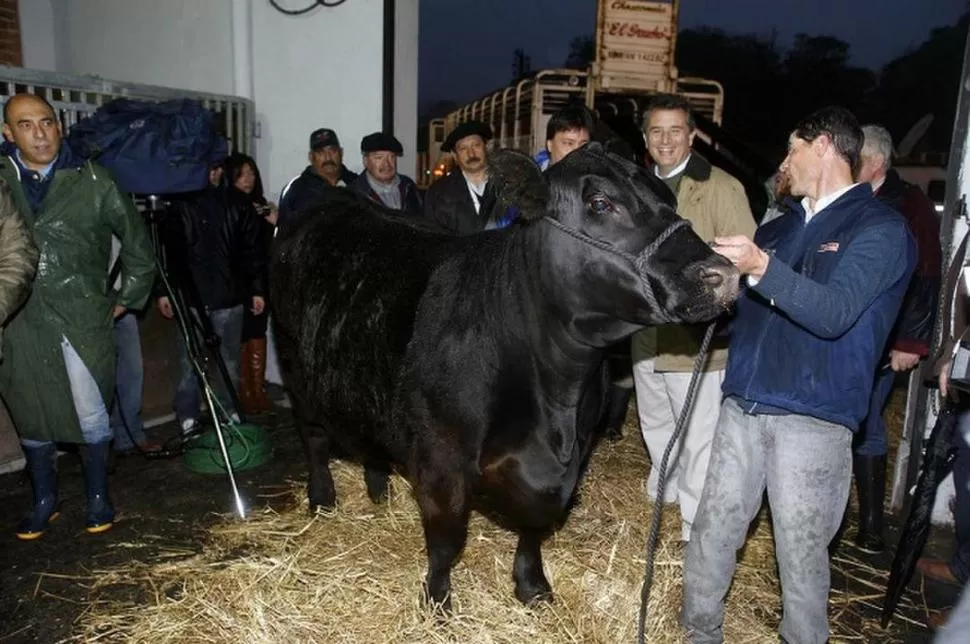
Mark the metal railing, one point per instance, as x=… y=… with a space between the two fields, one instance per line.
x=77 y=96
x=518 y=114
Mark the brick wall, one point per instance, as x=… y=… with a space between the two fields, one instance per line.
x=10 y=52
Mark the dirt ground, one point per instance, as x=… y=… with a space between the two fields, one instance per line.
x=164 y=508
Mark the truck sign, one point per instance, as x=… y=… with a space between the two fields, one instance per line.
x=635 y=44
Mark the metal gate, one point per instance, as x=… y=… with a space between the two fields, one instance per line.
x=74 y=97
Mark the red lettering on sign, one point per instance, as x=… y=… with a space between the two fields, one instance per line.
x=634 y=30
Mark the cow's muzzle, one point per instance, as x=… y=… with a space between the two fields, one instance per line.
x=722 y=280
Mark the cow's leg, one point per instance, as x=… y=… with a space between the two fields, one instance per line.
x=531 y=584
x=316 y=445
x=376 y=475
x=443 y=499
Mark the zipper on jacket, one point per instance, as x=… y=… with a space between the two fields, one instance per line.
x=771 y=319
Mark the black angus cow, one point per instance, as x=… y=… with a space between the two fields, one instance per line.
x=475 y=365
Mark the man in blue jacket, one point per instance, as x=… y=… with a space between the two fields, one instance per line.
x=825 y=283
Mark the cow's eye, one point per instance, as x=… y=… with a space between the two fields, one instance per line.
x=599 y=206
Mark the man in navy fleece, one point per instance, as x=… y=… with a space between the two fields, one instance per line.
x=825 y=283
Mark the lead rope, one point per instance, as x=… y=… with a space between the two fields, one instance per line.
x=662 y=481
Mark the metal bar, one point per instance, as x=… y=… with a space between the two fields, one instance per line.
x=75 y=97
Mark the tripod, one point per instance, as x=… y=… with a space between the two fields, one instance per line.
x=197 y=332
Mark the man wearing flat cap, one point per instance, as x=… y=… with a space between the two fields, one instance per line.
x=464 y=202
x=380 y=181
x=326 y=170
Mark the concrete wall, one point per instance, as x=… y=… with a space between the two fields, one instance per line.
x=322 y=69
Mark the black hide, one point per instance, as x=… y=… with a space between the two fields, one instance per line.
x=475 y=365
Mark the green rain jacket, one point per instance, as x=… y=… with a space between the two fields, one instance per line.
x=71 y=297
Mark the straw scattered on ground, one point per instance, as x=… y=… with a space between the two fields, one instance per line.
x=354 y=575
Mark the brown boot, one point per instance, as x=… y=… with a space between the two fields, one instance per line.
x=937 y=571
x=257 y=371
x=247 y=396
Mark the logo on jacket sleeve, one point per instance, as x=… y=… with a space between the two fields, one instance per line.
x=829 y=247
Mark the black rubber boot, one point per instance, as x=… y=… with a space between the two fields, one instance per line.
x=101 y=515
x=870 y=481
x=42 y=468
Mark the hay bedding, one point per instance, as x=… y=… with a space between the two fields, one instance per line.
x=354 y=575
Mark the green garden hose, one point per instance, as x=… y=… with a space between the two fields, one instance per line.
x=248 y=447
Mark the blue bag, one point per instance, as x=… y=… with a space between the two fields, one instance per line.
x=152 y=148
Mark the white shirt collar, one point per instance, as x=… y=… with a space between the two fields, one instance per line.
x=674 y=172
x=476 y=191
x=824 y=202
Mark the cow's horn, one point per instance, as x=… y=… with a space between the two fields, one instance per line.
x=518 y=183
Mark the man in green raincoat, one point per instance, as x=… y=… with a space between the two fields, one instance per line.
x=57 y=374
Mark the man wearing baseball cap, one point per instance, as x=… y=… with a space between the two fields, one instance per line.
x=326 y=170
x=380 y=181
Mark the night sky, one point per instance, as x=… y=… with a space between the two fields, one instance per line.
x=466 y=45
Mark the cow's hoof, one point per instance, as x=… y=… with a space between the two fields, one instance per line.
x=533 y=592
x=377 y=482
x=322 y=500
x=437 y=602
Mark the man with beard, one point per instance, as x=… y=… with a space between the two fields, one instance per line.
x=464 y=202
x=380 y=181
x=326 y=170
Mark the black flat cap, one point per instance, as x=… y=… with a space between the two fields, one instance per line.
x=379 y=142
x=468 y=128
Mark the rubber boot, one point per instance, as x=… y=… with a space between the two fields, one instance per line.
x=257 y=371
x=247 y=395
x=870 y=480
x=100 y=515
x=42 y=467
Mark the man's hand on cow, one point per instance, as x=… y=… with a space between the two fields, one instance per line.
x=165 y=307
x=259 y=304
x=119 y=310
x=743 y=253
x=902 y=361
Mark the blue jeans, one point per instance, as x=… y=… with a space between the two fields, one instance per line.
x=227 y=324
x=871 y=438
x=88 y=402
x=126 y=423
x=960 y=564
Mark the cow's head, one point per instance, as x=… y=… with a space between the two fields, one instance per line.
x=615 y=238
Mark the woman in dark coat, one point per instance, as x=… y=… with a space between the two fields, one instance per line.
x=243 y=174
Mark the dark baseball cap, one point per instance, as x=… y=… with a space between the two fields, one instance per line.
x=324 y=138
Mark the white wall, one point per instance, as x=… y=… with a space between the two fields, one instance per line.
x=185 y=44
x=322 y=69
x=406 y=31
x=37 y=34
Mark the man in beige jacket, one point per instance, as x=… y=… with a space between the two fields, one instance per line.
x=715 y=204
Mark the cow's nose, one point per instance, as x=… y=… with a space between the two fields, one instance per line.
x=712 y=277
x=722 y=280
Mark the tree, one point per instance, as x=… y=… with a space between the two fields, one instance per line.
x=582 y=52
x=521 y=64
x=750 y=69
x=818 y=73
x=925 y=81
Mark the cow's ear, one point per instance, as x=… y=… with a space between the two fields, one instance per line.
x=518 y=183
